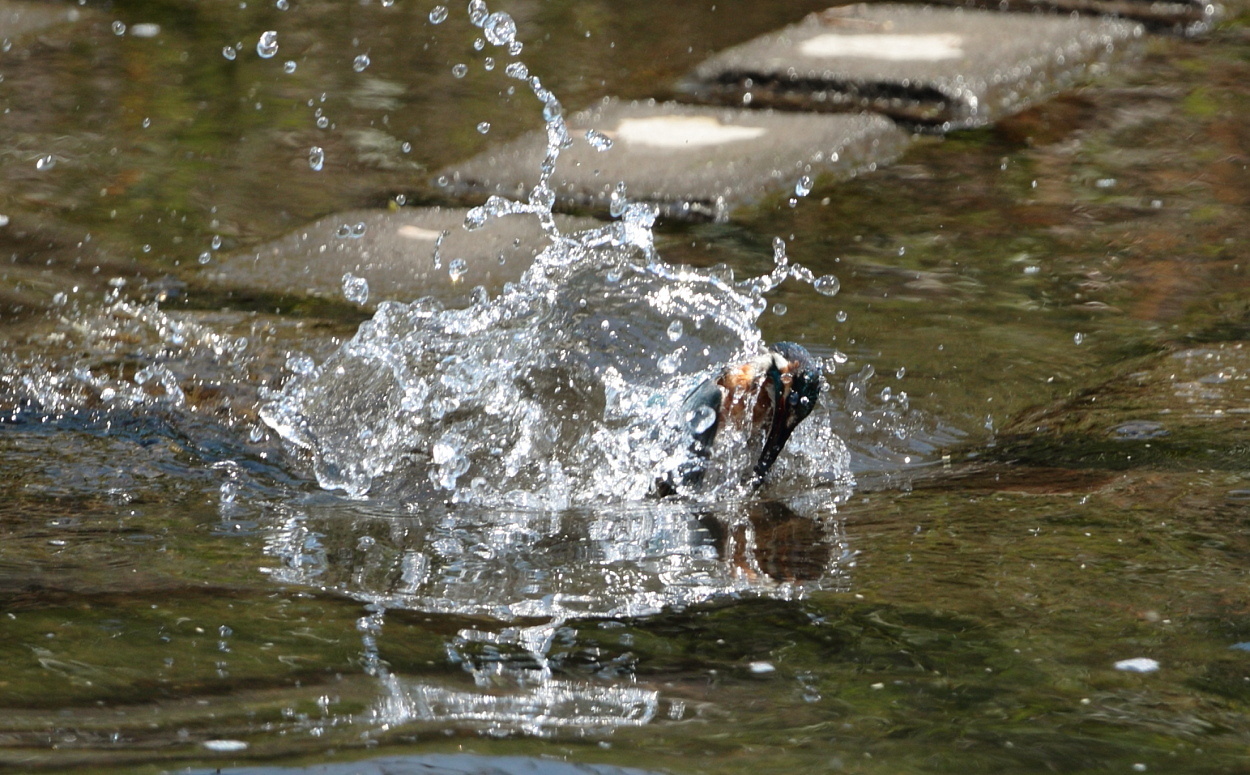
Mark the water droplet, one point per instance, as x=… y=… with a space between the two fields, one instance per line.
x=803 y=187
x=359 y=230
x=438 y=14
x=675 y=330
x=902 y=372
x=360 y=62
x=215 y=243
x=598 y=140
x=147 y=122
x=289 y=66
x=205 y=257
x=701 y=418
x=267 y=46
x=517 y=70
x=228 y=52
x=840 y=316
x=827 y=285
x=670 y=363
x=552 y=110
x=478 y=44
x=355 y=289
x=617 y=201
x=499 y=28
x=483 y=127
x=316 y=158
x=119 y=28
x=1078 y=338
x=489 y=63
x=780 y=309
x=405 y=147
x=478 y=12
x=4 y=220
x=322 y=122
x=45 y=162
x=515 y=47
x=460 y=70
x=457 y=267
x=283 y=4
x=839 y=357
x=343 y=231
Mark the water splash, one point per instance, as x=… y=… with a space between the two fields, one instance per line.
x=565 y=389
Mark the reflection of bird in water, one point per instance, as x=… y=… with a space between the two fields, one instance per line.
x=765 y=397
x=772 y=540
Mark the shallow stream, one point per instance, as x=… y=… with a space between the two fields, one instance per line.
x=241 y=527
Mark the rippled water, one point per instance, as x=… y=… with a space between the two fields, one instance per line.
x=247 y=524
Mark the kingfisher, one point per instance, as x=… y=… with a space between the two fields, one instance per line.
x=766 y=396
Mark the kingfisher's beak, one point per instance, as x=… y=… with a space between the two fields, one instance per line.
x=793 y=385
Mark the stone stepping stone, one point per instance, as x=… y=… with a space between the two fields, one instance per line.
x=929 y=67
x=694 y=162
x=393 y=251
x=1189 y=17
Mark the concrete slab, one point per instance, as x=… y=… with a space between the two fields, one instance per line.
x=1188 y=17
x=694 y=162
x=393 y=252
x=929 y=67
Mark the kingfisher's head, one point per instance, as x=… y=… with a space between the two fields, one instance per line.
x=767 y=396
x=791 y=387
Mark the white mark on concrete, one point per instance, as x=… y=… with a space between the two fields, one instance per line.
x=418 y=233
x=225 y=745
x=682 y=132
x=932 y=47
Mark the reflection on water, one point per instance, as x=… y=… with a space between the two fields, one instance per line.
x=527 y=577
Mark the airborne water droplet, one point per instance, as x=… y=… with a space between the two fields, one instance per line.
x=460 y=70
x=701 y=419
x=316 y=158
x=478 y=12
x=45 y=162
x=457 y=268
x=499 y=28
x=289 y=66
x=517 y=70
x=355 y=289
x=119 y=28
x=360 y=62
x=803 y=187
x=438 y=14
x=598 y=140
x=483 y=127
x=828 y=285
x=267 y=46
x=228 y=52
x=675 y=330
